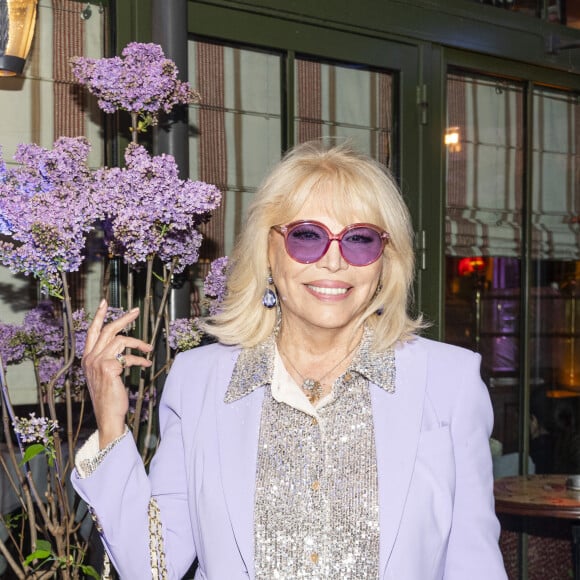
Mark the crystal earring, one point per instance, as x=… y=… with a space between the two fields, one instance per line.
x=269 y=299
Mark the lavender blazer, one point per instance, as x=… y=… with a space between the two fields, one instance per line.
x=437 y=519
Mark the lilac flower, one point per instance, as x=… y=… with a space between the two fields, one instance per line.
x=142 y=80
x=151 y=211
x=78 y=380
x=80 y=326
x=41 y=339
x=40 y=334
x=5 y=225
x=12 y=350
x=214 y=286
x=114 y=313
x=184 y=334
x=48 y=367
x=35 y=429
x=46 y=209
x=43 y=330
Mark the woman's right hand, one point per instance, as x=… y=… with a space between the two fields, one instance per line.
x=103 y=358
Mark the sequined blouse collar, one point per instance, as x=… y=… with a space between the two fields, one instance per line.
x=255 y=366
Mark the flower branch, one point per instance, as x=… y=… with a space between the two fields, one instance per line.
x=49 y=205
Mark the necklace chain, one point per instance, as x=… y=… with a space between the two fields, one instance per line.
x=313 y=387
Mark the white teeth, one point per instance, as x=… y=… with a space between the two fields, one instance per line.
x=330 y=291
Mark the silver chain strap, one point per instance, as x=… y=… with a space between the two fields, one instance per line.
x=156 y=549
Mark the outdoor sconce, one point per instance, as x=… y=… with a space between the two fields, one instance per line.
x=17 y=20
x=451 y=139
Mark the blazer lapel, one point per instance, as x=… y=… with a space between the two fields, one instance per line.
x=397 y=422
x=238 y=434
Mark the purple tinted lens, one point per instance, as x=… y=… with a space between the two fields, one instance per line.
x=308 y=242
x=361 y=246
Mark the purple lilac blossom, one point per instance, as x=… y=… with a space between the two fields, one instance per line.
x=141 y=80
x=12 y=350
x=43 y=329
x=47 y=207
x=184 y=334
x=5 y=225
x=48 y=366
x=41 y=339
x=214 y=286
x=78 y=379
x=151 y=211
x=40 y=334
x=80 y=326
x=35 y=429
x=114 y=313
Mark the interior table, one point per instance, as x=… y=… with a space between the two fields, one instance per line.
x=541 y=496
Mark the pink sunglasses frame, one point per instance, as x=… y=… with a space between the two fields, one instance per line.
x=285 y=229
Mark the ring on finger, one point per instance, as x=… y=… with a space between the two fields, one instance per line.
x=121 y=359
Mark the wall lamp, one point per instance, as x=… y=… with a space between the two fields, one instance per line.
x=17 y=21
x=452 y=140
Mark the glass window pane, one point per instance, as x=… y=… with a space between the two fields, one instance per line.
x=484 y=247
x=238 y=125
x=555 y=308
x=347 y=102
x=485 y=153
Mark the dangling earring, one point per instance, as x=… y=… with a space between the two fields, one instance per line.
x=269 y=299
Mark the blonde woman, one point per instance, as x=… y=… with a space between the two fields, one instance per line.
x=320 y=437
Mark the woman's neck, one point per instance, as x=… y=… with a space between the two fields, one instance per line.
x=317 y=342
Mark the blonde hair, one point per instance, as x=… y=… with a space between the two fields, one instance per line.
x=361 y=187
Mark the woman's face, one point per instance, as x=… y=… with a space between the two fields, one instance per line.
x=327 y=294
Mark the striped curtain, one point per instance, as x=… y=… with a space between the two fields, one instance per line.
x=212 y=142
x=556 y=176
x=68 y=41
x=309 y=102
x=485 y=170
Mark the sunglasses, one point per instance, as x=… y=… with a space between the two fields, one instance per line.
x=307 y=241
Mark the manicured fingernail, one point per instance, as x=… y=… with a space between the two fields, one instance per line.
x=136 y=309
x=102 y=303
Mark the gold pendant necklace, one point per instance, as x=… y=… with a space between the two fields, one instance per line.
x=312 y=387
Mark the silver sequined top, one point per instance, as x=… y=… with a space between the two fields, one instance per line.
x=316 y=512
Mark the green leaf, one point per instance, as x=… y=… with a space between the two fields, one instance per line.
x=43 y=545
x=42 y=552
x=89 y=571
x=37 y=555
x=32 y=451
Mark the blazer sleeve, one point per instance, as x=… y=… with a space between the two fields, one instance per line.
x=473 y=550
x=118 y=493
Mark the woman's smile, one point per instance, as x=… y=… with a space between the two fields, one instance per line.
x=328 y=290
